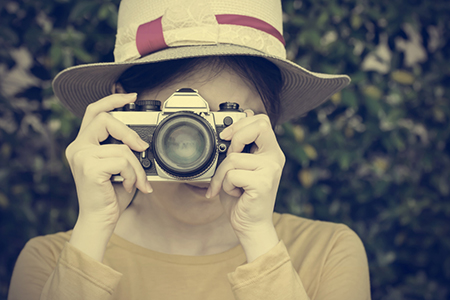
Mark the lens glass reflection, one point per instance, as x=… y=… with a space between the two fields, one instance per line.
x=184 y=145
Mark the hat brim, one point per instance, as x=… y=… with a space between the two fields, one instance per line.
x=303 y=90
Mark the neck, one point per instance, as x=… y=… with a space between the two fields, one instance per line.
x=183 y=232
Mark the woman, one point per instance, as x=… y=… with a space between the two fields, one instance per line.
x=189 y=239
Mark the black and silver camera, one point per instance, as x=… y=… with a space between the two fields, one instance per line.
x=183 y=136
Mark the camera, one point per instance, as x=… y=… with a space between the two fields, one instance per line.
x=183 y=135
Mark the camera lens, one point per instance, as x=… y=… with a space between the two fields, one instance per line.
x=184 y=145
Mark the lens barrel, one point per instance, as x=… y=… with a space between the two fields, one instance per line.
x=184 y=145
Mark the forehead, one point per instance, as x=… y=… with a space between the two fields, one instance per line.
x=214 y=87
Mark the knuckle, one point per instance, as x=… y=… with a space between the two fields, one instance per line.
x=78 y=156
x=282 y=159
x=233 y=158
x=238 y=139
x=91 y=108
x=277 y=167
x=103 y=117
x=90 y=173
x=122 y=163
x=229 y=175
x=263 y=123
x=124 y=149
x=272 y=170
x=264 y=118
x=130 y=176
x=97 y=180
x=266 y=185
x=69 y=152
x=267 y=182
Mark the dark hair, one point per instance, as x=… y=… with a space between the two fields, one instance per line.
x=257 y=71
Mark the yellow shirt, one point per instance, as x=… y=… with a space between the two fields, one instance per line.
x=313 y=260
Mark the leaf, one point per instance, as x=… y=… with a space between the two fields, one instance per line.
x=82 y=55
x=359 y=77
x=301 y=156
x=297 y=21
x=104 y=11
x=56 y=54
x=349 y=98
x=82 y=10
x=344 y=160
x=336 y=98
x=310 y=151
x=373 y=92
x=108 y=12
x=356 y=22
x=373 y=106
x=306 y=178
x=403 y=77
x=299 y=133
x=322 y=19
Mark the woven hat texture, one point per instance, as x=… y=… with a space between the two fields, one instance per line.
x=159 y=30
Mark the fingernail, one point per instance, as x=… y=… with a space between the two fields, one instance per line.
x=226 y=133
x=249 y=112
x=149 y=188
x=128 y=189
x=130 y=95
x=208 y=193
x=142 y=143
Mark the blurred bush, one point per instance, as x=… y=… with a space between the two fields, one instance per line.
x=375 y=157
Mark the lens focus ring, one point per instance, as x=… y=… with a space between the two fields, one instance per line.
x=185 y=145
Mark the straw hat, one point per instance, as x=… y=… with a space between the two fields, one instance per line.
x=159 y=30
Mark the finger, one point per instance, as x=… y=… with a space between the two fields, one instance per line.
x=108 y=151
x=237 y=182
x=249 y=112
x=106 y=104
x=228 y=186
x=244 y=161
x=227 y=133
x=105 y=125
x=256 y=129
x=118 y=165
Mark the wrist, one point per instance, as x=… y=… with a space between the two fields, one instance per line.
x=98 y=220
x=91 y=237
x=258 y=241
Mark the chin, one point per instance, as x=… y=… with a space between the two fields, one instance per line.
x=198 y=189
x=186 y=202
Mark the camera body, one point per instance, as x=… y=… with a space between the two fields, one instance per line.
x=183 y=135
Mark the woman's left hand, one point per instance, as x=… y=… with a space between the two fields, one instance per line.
x=247 y=183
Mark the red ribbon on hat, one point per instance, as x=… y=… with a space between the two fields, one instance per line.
x=150 y=37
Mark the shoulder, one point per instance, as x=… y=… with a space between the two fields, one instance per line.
x=324 y=252
x=329 y=257
x=292 y=227
x=306 y=237
x=50 y=240
x=47 y=247
x=36 y=262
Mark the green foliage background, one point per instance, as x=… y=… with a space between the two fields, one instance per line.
x=375 y=157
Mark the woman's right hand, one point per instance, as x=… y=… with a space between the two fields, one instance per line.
x=93 y=164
